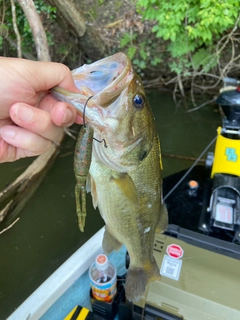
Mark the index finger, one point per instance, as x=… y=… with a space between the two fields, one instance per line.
x=50 y=74
x=40 y=75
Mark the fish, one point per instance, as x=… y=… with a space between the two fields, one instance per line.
x=125 y=174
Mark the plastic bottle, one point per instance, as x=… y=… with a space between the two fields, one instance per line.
x=103 y=278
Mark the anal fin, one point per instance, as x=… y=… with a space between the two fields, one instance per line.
x=91 y=186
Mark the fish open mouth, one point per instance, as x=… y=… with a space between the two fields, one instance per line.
x=104 y=79
x=107 y=82
x=98 y=78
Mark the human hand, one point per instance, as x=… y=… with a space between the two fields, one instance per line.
x=30 y=118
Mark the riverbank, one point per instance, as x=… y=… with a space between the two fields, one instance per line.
x=86 y=31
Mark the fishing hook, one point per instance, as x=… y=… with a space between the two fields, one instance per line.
x=84 y=110
x=84 y=122
x=100 y=141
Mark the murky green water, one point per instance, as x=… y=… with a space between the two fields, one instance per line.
x=47 y=232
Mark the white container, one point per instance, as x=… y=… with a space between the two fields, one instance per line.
x=103 y=278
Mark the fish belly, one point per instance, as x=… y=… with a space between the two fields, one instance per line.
x=130 y=223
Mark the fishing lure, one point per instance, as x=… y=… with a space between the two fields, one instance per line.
x=82 y=162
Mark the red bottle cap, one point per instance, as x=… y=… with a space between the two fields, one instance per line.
x=193 y=184
x=101 y=261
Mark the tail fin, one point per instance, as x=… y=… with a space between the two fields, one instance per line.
x=138 y=278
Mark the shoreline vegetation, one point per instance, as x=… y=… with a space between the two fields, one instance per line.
x=185 y=47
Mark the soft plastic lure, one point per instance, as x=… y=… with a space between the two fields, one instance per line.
x=82 y=162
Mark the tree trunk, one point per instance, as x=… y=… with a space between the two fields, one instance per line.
x=36 y=26
x=72 y=19
x=92 y=44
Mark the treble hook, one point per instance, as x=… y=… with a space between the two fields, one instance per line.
x=84 y=123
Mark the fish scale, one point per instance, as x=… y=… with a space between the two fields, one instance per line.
x=124 y=178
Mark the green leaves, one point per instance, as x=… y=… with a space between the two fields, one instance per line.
x=27 y=43
x=190 y=25
x=205 y=59
x=183 y=45
x=140 y=53
x=201 y=19
x=126 y=39
x=131 y=51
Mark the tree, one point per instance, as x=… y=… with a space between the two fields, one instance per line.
x=72 y=19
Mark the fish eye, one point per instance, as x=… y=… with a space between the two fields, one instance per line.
x=138 y=101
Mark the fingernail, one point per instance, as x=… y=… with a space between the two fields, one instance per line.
x=7 y=133
x=24 y=113
x=67 y=117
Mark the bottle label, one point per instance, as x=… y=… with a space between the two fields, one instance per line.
x=104 y=291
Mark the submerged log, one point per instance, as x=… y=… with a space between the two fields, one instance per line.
x=16 y=194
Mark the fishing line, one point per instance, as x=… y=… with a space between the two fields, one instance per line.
x=190 y=169
x=84 y=122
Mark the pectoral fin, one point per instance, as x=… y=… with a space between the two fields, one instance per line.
x=127 y=186
x=110 y=243
x=91 y=186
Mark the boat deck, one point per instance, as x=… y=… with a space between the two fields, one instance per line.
x=78 y=293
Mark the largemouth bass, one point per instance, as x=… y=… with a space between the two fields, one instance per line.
x=124 y=177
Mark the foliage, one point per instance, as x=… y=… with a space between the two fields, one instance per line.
x=141 y=54
x=192 y=27
x=45 y=11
